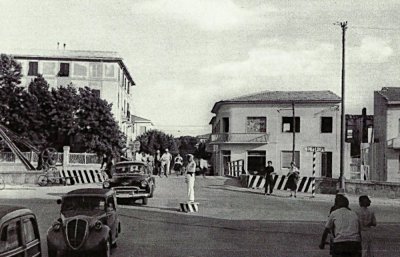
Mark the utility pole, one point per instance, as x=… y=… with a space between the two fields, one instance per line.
x=294 y=133
x=343 y=25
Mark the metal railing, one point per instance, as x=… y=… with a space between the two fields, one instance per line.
x=239 y=138
x=84 y=158
x=74 y=158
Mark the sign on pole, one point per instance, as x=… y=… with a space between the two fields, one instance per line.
x=315 y=149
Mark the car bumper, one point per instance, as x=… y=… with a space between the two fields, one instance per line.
x=131 y=194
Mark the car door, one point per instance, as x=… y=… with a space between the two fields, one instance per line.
x=11 y=244
x=30 y=234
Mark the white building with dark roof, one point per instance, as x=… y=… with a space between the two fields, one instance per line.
x=102 y=71
x=259 y=127
x=140 y=125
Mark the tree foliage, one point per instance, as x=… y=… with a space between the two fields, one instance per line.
x=56 y=116
x=154 y=140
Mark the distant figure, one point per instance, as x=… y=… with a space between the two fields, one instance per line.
x=203 y=167
x=157 y=162
x=367 y=221
x=178 y=162
x=108 y=160
x=344 y=225
x=190 y=176
x=269 y=181
x=150 y=164
x=166 y=159
x=293 y=178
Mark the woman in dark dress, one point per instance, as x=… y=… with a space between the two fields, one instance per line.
x=293 y=178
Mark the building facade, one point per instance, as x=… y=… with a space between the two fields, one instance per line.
x=260 y=127
x=140 y=126
x=103 y=71
x=384 y=152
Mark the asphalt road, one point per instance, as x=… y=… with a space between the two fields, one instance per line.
x=232 y=221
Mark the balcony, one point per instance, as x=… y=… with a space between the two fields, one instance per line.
x=239 y=138
x=394 y=143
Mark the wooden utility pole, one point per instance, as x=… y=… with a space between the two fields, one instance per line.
x=343 y=118
x=294 y=133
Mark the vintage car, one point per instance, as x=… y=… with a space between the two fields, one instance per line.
x=130 y=180
x=19 y=233
x=88 y=224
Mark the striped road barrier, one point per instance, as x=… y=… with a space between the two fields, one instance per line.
x=280 y=183
x=189 y=207
x=82 y=176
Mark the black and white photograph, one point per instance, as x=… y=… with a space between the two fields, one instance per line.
x=199 y=128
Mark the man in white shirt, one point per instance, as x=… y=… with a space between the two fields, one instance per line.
x=166 y=162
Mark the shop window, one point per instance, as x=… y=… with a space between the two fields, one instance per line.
x=256 y=125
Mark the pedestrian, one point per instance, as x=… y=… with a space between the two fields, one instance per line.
x=157 y=162
x=367 y=220
x=293 y=178
x=344 y=225
x=190 y=176
x=109 y=165
x=203 y=167
x=269 y=180
x=150 y=164
x=166 y=159
x=178 y=162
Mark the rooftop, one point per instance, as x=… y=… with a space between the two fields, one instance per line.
x=391 y=94
x=5 y=209
x=89 y=191
x=280 y=97
x=137 y=119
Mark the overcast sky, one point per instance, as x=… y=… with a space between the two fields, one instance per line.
x=187 y=54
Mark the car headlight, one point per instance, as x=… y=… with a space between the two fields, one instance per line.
x=98 y=225
x=56 y=226
x=143 y=183
x=106 y=184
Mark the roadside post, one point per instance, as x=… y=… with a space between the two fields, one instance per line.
x=314 y=150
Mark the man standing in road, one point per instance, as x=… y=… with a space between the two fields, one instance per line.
x=166 y=159
x=269 y=181
x=157 y=162
x=190 y=176
x=178 y=162
x=344 y=225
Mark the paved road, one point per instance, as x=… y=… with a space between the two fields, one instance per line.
x=232 y=221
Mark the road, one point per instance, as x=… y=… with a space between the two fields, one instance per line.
x=232 y=221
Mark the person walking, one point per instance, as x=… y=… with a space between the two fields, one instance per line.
x=203 y=164
x=157 y=162
x=293 y=179
x=166 y=159
x=367 y=221
x=269 y=181
x=345 y=227
x=150 y=164
x=190 y=176
x=178 y=162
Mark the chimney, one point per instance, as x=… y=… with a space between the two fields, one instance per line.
x=58 y=45
x=65 y=45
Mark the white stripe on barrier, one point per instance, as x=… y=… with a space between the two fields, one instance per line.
x=82 y=176
x=279 y=182
x=189 y=207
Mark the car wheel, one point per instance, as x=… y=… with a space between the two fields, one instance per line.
x=52 y=252
x=42 y=180
x=144 y=201
x=106 y=249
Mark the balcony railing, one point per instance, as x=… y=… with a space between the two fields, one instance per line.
x=255 y=138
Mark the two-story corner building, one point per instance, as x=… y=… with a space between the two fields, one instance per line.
x=102 y=71
x=259 y=127
x=140 y=126
x=385 y=151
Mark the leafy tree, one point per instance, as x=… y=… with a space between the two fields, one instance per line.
x=154 y=140
x=186 y=145
x=10 y=71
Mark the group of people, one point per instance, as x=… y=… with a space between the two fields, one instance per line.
x=292 y=178
x=350 y=230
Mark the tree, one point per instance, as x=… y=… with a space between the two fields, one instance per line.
x=186 y=145
x=154 y=140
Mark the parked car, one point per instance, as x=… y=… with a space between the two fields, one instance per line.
x=88 y=224
x=19 y=233
x=130 y=180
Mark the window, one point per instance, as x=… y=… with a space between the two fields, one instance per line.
x=109 y=70
x=256 y=124
x=96 y=70
x=142 y=130
x=225 y=125
x=286 y=159
x=33 y=69
x=49 y=68
x=10 y=236
x=80 y=70
x=64 y=70
x=129 y=86
x=326 y=124
x=255 y=161
x=29 y=230
x=287 y=124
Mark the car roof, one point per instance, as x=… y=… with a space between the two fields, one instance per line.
x=129 y=163
x=90 y=191
x=10 y=211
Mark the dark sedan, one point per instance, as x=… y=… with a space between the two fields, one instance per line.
x=88 y=224
x=131 y=181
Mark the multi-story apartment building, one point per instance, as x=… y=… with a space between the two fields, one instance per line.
x=385 y=150
x=102 y=71
x=259 y=127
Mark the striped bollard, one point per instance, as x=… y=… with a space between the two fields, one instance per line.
x=313 y=174
x=189 y=207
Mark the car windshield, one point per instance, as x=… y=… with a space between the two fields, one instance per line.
x=83 y=203
x=129 y=168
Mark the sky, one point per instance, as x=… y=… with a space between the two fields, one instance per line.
x=185 y=55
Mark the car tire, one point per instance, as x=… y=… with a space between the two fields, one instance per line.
x=52 y=252
x=144 y=201
x=106 y=249
x=42 y=180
